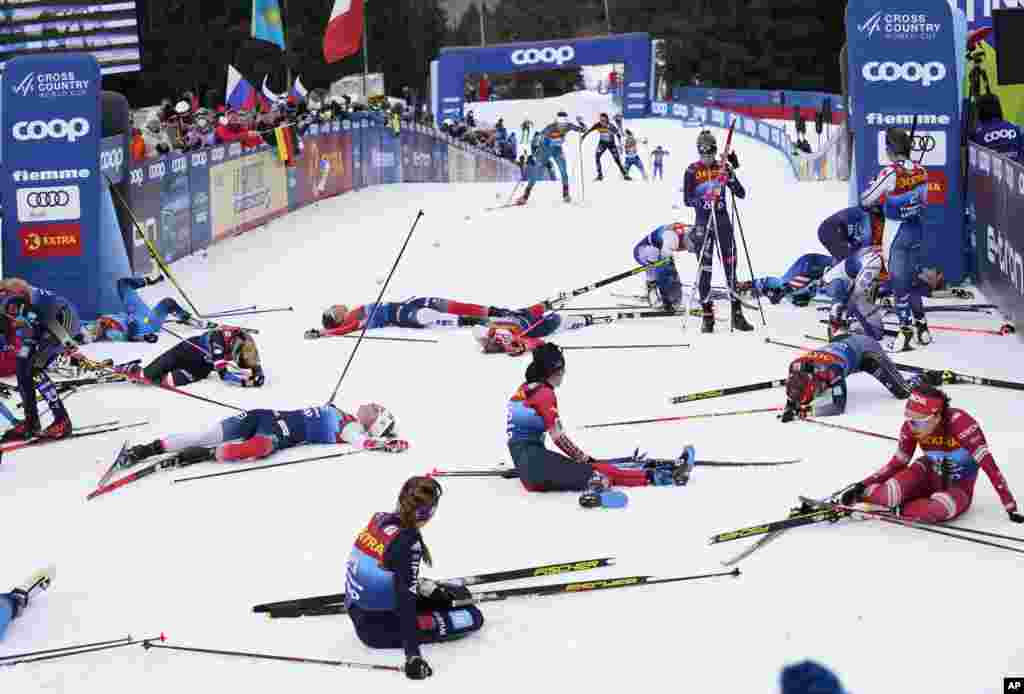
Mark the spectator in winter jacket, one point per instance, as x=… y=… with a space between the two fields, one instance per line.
x=157 y=141
x=137 y=147
x=232 y=130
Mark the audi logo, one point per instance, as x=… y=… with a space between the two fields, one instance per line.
x=48 y=198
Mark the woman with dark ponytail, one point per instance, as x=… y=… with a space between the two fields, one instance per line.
x=532 y=412
x=939 y=485
x=390 y=605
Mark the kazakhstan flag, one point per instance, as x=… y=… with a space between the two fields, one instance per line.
x=266 y=22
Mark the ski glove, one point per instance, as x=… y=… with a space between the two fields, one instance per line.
x=312 y=334
x=416 y=668
x=851 y=494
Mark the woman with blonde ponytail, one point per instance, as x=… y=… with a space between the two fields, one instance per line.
x=390 y=605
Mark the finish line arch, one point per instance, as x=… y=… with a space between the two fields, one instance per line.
x=448 y=72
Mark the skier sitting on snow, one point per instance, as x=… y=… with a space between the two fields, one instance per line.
x=939 y=485
x=259 y=433
x=229 y=351
x=816 y=385
x=532 y=412
x=663 y=285
x=418 y=312
x=138 y=321
x=12 y=604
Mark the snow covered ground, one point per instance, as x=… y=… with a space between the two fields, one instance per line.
x=884 y=606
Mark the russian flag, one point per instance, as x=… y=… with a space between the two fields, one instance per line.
x=344 y=32
x=298 y=92
x=240 y=95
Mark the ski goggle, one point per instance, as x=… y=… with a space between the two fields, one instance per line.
x=425 y=513
x=706 y=148
x=922 y=425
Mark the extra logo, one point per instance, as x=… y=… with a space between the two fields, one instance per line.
x=1003 y=255
x=932 y=143
x=50 y=85
x=111 y=159
x=548 y=54
x=53 y=204
x=51 y=240
x=420 y=159
x=56 y=129
x=659 y=108
x=927 y=74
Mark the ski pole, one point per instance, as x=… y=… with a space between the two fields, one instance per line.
x=847 y=428
x=230 y=310
x=94 y=644
x=265 y=656
x=266 y=467
x=746 y=251
x=393 y=339
x=1006 y=329
x=70 y=653
x=677 y=419
x=376 y=307
x=153 y=252
x=622 y=346
x=565 y=296
x=732 y=390
x=236 y=314
x=164 y=386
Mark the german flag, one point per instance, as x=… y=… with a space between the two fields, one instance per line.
x=289 y=145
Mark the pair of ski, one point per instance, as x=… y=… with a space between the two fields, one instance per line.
x=334 y=603
x=168 y=461
x=510 y=473
x=78 y=432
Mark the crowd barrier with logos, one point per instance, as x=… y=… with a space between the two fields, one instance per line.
x=995 y=200
x=776 y=104
x=699 y=114
x=186 y=201
x=830 y=163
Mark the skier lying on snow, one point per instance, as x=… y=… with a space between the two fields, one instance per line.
x=532 y=412
x=138 y=321
x=389 y=604
x=418 y=312
x=816 y=384
x=939 y=485
x=522 y=331
x=229 y=351
x=259 y=433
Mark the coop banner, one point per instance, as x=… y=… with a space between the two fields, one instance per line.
x=199 y=192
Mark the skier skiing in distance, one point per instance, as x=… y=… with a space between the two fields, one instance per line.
x=418 y=312
x=229 y=351
x=532 y=412
x=663 y=286
x=12 y=604
x=939 y=485
x=260 y=433
x=629 y=146
x=552 y=139
x=138 y=321
x=608 y=136
x=816 y=385
x=389 y=603
x=46 y=325
x=658 y=163
x=901 y=188
x=703 y=191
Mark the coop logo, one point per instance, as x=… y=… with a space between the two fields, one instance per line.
x=1003 y=255
x=420 y=159
x=549 y=54
x=1004 y=134
x=53 y=204
x=659 y=108
x=900 y=25
x=51 y=240
x=56 y=129
x=926 y=74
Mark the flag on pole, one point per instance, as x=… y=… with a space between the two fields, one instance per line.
x=298 y=92
x=240 y=95
x=344 y=32
x=266 y=22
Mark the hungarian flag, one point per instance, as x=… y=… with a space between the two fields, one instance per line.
x=344 y=30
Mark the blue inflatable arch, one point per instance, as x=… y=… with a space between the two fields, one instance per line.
x=634 y=50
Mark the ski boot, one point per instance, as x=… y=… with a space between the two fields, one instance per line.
x=906 y=334
x=21 y=431
x=673 y=473
x=36 y=583
x=58 y=429
x=739 y=321
x=136 y=454
x=150 y=281
x=522 y=200
x=565 y=194
x=625 y=177
x=132 y=369
x=653 y=295
x=599 y=493
x=707 y=324
x=600 y=177
x=924 y=336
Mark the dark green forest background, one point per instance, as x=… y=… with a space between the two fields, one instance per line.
x=766 y=44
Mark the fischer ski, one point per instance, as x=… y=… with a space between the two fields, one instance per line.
x=512 y=473
x=733 y=390
x=168 y=462
x=318 y=601
x=830 y=515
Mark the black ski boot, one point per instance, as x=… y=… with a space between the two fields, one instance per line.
x=924 y=336
x=136 y=454
x=708 y=318
x=196 y=454
x=739 y=321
